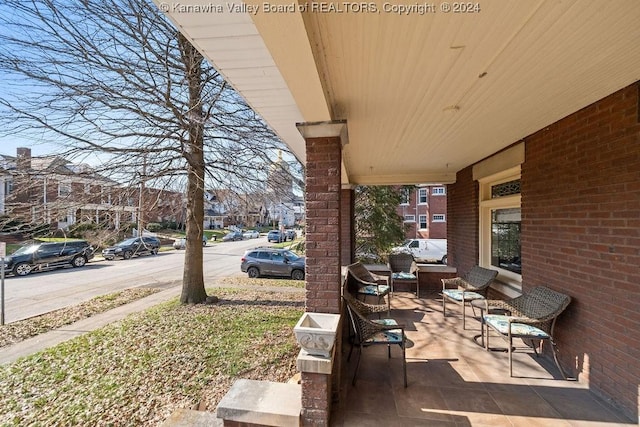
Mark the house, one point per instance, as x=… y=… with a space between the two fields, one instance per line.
x=424 y=209
x=529 y=112
x=276 y=203
x=53 y=191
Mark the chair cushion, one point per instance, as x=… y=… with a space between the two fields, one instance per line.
x=501 y=324
x=404 y=276
x=393 y=336
x=456 y=294
x=374 y=290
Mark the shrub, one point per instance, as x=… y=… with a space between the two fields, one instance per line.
x=153 y=227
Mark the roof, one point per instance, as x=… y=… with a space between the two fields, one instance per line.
x=425 y=93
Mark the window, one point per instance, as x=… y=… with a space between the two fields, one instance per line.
x=422 y=196
x=405 y=196
x=87 y=188
x=8 y=186
x=438 y=191
x=105 y=196
x=64 y=189
x=409 y=218
x=505 y=239
x=500 y=225
x=422 y=219
x=438 y=218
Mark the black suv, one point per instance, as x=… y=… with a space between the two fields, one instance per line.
x=272 y=262
x=44 y=255
x=133 y=246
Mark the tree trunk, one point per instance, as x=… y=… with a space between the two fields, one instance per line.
x=193 y=291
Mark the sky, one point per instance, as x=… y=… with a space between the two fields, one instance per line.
x=9 y=145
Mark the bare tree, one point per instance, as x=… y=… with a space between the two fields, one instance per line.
x=116 y=85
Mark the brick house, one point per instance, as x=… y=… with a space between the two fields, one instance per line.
x=51 y=190
x=424 y=210
x=529 y=113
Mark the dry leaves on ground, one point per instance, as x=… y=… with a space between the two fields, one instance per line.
x=14 y=332
x=139 y=370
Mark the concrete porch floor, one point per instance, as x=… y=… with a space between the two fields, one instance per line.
x=454 y=382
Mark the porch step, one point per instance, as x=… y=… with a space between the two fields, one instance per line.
x=263 y=403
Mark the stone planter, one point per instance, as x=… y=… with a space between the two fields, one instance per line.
x=316 y=332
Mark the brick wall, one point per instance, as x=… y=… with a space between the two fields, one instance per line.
x=462 y=222
x=581 y=235
x=437 y=205
x=316 y=399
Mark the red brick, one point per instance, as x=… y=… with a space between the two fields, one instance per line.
x=580 y=235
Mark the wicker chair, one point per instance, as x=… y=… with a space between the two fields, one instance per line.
x=361 y=282
x=463 y=290
x=403 y=268
x=368 y=332
x=531 y=316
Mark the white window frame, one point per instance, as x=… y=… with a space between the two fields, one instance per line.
x=409 y=218
x=439 y=218
x=64 y=188
x=487 y=205
x=420 y=196
x=423 y=219
x=438 y=191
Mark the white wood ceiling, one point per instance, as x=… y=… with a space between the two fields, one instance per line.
x=423 y=95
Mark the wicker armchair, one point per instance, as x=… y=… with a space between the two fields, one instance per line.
x=373 y=332
x=463 y=290
x=531 y=316
x=403 y=269
x=361 y=282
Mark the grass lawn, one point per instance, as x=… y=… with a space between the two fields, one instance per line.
x=139 y=370
x=14 y=332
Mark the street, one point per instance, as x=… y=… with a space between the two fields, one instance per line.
x=40 y=293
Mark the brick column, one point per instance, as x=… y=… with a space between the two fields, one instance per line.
x=348 y=237
x=323 y=251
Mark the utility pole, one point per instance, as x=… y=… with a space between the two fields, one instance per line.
x=143 y=176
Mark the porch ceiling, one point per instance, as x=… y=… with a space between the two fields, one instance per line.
x=423 y=95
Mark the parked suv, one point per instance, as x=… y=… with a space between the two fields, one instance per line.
x=272 y=262
x=133 y=246
x=275 y=236
x=44 y=255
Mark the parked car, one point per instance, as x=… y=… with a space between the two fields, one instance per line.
x=133 y=246
x=233 y=236
x=251 y=234
x=45 y=255
x=275 y=236
x=182 y=243
x=272 y=262
x=290 y=234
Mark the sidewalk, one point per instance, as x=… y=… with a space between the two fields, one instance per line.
x=40 y=342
